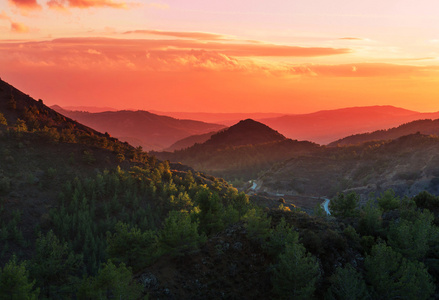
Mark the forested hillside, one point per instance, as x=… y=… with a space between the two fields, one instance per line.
x=84 y=216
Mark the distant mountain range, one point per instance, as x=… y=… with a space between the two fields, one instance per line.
x=422 y=126
x=141 y=128
x=326 y=126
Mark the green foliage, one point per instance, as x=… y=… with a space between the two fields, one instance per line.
x=347 y=284
x=54 y=266
x=395 y=277
x=344 y=205
x=388 y=201
x=258 y=224
x=111 y=282
x=131 y=246
x=279 y=237
x=411 y=238
x=296 y=274
x=427 y=200
x=370 y=219
x=179 y=235
x=213 y=216
x=14 y=282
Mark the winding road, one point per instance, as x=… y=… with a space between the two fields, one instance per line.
x=325 y=206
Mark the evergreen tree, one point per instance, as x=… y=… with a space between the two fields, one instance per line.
x=179 y=234
x=296 y=274
x=344 y=205
x=111 y=282
x=395 y=277
x=14 y=282
x=54 y=266
x=131 y=246
x=347 y=284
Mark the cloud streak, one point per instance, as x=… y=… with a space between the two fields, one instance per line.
x=83 y=4
x=179 y=34
x=185 y=56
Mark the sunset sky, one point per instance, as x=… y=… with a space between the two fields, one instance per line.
x=223 y=56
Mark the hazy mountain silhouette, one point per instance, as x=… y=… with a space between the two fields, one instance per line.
x=151 y=131
x=190 y=141
x=422 y=126
x=326 y=126
x=220 y=118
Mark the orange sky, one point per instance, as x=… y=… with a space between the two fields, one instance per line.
x=253 y=56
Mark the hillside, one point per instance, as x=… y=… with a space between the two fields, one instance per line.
x=327 y=126
x=84 y=216
x=428 y=127
x=240 y=151
x=408 y=165
x=190 y=141
x=151 y=131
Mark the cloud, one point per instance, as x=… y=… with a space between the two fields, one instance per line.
x=25 y=4
x=15 y=26
x=107 y=54
x=63 y=4
x=351 y=38
x=179 y=34
x=280 y=50
x=19 y=27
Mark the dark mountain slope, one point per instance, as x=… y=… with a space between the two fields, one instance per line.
x=246 y=132
x=422 y=126
x=409 y=165
x=153 y=131
x=240 y=151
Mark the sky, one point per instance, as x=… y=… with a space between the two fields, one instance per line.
x=283 y=56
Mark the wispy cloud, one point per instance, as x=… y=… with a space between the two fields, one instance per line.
x=179 y=34
x=187 y=55
x=351 y=38
x=63 y=4
x=15 y=26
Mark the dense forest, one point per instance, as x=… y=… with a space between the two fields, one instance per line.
x=84 y=216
